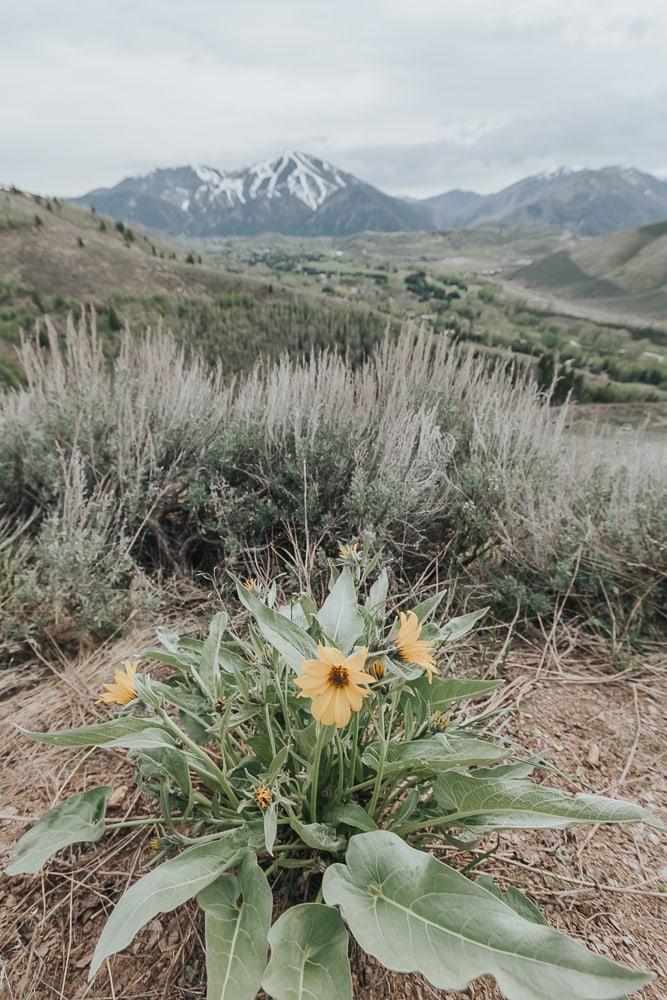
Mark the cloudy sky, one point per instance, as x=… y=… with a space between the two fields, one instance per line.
x=416 y=97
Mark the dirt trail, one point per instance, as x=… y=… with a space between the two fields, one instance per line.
x=605 y=886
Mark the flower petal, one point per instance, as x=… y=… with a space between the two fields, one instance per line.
x=330 y=655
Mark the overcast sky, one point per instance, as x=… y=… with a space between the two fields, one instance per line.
x=416 y=96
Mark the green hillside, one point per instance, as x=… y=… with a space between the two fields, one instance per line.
x=56 y=258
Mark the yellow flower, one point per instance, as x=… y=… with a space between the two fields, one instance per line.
x=250 y=583
x=348 y=551
x=377 y=669
x=122 y=690
x=263 y=796
x=411 y=648
x=334 y=683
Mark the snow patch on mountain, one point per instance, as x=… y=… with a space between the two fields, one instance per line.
x=309 y=180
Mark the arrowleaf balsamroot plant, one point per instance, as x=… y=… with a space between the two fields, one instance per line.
x=305 y=755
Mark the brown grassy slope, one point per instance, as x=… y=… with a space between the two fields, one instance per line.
x=606 y=887
x=623 y=273
x=49 y=259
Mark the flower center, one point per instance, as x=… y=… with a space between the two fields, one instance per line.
x=339 y=677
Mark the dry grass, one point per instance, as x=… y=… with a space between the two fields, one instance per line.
x=605 y=886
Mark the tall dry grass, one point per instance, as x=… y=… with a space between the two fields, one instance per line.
x=461 y=471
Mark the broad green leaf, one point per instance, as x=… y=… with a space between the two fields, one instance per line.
x=308 y=955
x=318 y=836
x=456 y=628
x=339 y=615
x=270 y=828
x=238 y=917
x=96 y=735
x=425 y=609
x=435 y=754
x=377 y=595
x=350 y=814
x=151 y=738
x=293 y=644
x=76 y=819
x=514 y=898
x=415 y=914
x=163 y=889
x=446 y=691
x=504 y=803
x=209 y=665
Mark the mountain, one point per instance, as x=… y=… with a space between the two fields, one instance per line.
x=623 y=273
x=295 y=194
x=586 y=202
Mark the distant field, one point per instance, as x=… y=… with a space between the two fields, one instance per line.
x=236 y=299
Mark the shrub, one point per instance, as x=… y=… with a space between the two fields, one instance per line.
x=458 y=468
x=309 y=753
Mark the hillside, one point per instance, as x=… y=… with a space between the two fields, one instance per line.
x=586 y=202
x=56 y=257
x=295 y=194
x=623 y=273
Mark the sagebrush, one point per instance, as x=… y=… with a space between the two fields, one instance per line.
x=462 y=472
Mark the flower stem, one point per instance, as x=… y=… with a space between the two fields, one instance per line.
x=355 y=744
x=315 y=773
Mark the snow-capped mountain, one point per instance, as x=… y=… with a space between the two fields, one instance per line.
x=588 y=202
x=285 y=195
x=300 y=194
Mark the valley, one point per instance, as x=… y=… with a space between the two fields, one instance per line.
x=235 y=298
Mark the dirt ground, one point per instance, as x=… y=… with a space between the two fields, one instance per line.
x=605 y=886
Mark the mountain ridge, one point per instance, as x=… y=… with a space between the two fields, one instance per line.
x=300 y=194
x=284 y=195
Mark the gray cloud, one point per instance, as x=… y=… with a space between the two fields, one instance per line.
x=414 y=97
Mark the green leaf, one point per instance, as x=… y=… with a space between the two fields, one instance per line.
x=308 y=955
x=79 y=818
x=504 y=803
x=415 y=914
x=277 y=764
x=514 y=898
x=168 y=765
x=270 y=827
x=238 y=917
x=293 y=644
x=427 y=608
x=339 y=615
x=377 y=595
x=350 y=814
x=208 y=670
x=307 y=738
x=318 y=836
x=163 y=889
x=168 y=638
x=150 y=738
x=96 y=735
x=456 y=628
x=446 y=691
x=230 y=659
x=435 y=754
